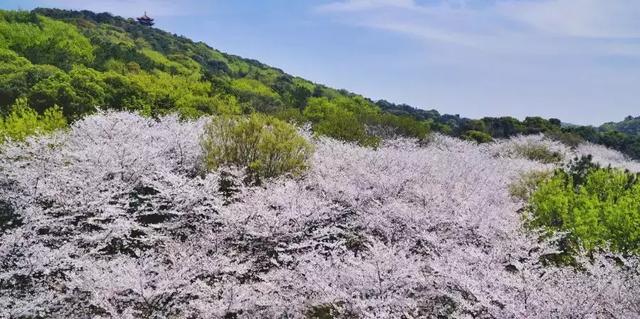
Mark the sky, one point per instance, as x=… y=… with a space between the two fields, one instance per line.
x=576 y=60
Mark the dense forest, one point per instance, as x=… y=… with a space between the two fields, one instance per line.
x=143 y=175
x=78 y=61
x=623 y=136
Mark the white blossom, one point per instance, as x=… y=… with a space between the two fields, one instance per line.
x=115 y=218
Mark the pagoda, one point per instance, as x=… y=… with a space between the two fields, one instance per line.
x=145 y=20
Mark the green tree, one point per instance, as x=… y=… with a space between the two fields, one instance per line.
x=45 y=41
x=338 y=122
x=256 y=96
x=266 y=146
x=477 y=136
x=503 y=127
x=23 y=121
x=598 y=207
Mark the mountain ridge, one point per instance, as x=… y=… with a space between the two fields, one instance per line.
x=80 y=59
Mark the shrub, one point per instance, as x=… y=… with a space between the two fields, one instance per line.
x=538 y=152
x=291 y=115
x=567 y=138
x=266 y=146
x=477 y=136
x=23 y=121
x=390 y=125
x=598 y=207
x=337 y=121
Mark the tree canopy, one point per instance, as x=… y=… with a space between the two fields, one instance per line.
x=82 y=62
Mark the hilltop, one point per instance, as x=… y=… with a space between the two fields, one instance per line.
x=630 y=125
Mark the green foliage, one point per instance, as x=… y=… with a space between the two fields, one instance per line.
x=202 y=104
x=153 y=72
x=256 y=96
x=503 y=127
x=291 y=115
x=252 y=87
x=52 y=119
x=622 y=136
x=266 y=146
x=357 y=120
x=567 y=138
x=442 y=128
x=82 y=61
x=88 y=87
x=626 y=143
x=538 y=152
x=23 y=121
x=330 y=119
x=475 y=125
x=630 y=126
x=404 y=125
x=537 y=125
x=178 y=65
x=598 y=207
x=477 y=136
x=43 y=40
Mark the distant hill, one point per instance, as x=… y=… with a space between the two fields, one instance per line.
x=630 y=125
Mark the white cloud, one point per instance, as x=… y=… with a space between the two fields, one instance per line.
x=539 y=27
x=360 y=5
x=446 y=22
x=574 y=59
x=578 y=18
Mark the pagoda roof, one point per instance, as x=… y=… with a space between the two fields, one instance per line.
x=145 y=17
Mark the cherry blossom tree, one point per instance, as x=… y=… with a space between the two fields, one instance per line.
x=115 y=218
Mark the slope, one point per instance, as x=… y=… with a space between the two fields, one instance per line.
x=78 y=60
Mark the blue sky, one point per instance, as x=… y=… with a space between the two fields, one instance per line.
x=577 y=60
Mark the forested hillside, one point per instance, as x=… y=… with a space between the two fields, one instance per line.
x=75 y=62
x=81 y=61
x=630 y=125
x=622 y=136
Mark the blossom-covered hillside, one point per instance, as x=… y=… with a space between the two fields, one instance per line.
x=116 y=218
